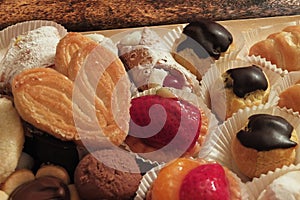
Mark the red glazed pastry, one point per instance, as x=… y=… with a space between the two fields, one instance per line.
x=162 y=121
x=189 y=179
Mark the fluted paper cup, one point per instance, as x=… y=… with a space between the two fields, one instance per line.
x=255 y=35
x=259 y=185
x=213 y=76
x=224 y=134
x=289 y=80
x=158 y=156
x=152 y=174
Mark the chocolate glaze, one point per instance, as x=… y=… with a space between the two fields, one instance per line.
x=266 y=132
x=213 y=37
x=45 y=148
x=247 y=79
x=43 y=188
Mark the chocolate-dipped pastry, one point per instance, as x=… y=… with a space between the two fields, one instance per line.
x=238 y=88
x=246 y=79
x=265 y=143
x=265 y=132
x=213 y=37
x=43 y=188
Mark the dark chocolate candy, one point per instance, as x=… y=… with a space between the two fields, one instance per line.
x=266 y=132
x=45 y=148
x=247 y=79
x=43 y=188
x=212 y=36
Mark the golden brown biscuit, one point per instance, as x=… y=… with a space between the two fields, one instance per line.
x=65 y=49
x=45 y=99
x=289 y=98
x=95 y=69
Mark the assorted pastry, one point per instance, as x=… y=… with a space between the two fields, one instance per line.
x=194 y=179
x=165 y=125
x=283 y=187
x=288 y=92
x=280 y=47
x=150 y=63
x=239 y=88
x=82 y=115
x=200 y=44
x=265 y=143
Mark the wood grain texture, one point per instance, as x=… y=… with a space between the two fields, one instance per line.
x=89 y=15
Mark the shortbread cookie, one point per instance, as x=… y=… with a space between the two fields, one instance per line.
x=11 y=138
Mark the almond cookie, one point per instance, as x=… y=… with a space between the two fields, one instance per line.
x=50 y=182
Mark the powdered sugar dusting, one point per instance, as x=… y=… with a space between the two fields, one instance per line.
x=33 y=49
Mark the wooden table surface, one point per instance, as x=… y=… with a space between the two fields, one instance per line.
x=89 y=15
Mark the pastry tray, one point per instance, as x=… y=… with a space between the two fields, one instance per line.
x=236 y=27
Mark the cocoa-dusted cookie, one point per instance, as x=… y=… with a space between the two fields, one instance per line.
x=107 y=174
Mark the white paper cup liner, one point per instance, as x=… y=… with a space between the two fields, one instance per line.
x=258 y=185
x=273 y=73
x=152 y=174
x=174 y=37
x=287 y=81
x=225 y=133
x=238 y=39
x=146 y=182
x=12 y=31
x=195 y=100
x=7 y=34
x=253 y=36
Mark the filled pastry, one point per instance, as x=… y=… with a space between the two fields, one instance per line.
x=280 y=48
x=150 y=63
x=166 y=125
x=239 y=88
x=200 y=44
x=188 y=179
x=267 y=142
